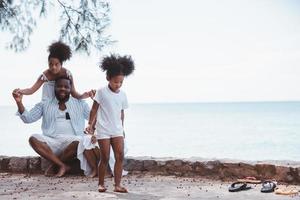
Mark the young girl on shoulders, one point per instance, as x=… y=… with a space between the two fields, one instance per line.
x=58 y=54
x=107 y=117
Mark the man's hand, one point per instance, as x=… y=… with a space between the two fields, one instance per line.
x=17 y=95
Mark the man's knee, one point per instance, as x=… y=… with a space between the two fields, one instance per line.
x=74 y=144
x=32 y=140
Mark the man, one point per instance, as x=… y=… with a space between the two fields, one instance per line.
x=62 y=125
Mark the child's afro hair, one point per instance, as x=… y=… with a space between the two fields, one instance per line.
x=59 y=50
x=115 y=65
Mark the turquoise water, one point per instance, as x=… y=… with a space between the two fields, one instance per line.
x=248 y=131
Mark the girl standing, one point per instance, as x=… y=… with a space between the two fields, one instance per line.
x=107 y=117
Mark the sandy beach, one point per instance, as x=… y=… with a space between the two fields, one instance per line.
x=21 y=186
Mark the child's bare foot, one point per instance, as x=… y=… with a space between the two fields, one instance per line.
x=101 y=188
x=50 y=170
x=120 y=189
x=93 y=174
x=62 y=171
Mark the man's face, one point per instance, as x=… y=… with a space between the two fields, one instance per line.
x=62 y=89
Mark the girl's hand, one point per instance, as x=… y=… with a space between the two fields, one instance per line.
x=88 y=94
x=85 y=95
x=89 y=130
x=17 y=95
x=92 y=93
x=93 y=139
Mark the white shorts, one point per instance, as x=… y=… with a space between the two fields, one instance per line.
x=100 y=136
x=57 y=143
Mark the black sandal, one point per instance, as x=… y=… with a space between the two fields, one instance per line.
x=238 y=186
x=268 y=186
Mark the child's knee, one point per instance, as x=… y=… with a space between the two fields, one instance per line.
x=105 y=159
x=119 y=157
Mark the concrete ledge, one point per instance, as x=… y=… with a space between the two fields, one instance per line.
x=282 y=171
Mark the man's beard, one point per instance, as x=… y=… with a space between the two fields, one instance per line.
x=63 y=98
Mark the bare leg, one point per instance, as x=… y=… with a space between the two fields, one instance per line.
x=50 y=170
x=92 y=161
x=117 y=144
x=44 y=150
x=104 y=153
x=68 y=154
x=97 y=153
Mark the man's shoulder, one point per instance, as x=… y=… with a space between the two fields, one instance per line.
x=45 y=102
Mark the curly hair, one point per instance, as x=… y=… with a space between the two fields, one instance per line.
x=59 y=50
x=115 y=65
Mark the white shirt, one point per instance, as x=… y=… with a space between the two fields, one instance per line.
x=62 y=124
x=109 y=112
x=78 y=111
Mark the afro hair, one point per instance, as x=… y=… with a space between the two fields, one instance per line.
x=59 y=50
x=115 y=65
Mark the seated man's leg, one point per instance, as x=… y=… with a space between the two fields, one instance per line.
x=45 y=151
x=68 y=154
x=89 y=156
x=92 y=161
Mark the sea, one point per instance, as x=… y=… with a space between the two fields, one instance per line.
x=242 y=131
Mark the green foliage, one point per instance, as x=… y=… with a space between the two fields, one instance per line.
x=82 y=22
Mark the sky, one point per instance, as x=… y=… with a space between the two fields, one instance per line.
x=184 y=51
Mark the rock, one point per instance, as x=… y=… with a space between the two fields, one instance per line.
x=161 y=163
x=293 y=175
x=34 y=165
x=134 y=165
x=4 y=160
x=265 y=171
x=150 y=165
x=177 y=163
x=209 y=169
x=18 y=164
x=238 y=170
x=44 y=164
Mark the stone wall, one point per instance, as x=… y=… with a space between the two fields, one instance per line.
x=287 y=172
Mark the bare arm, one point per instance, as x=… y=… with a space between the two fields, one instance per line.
x=122 y=117
x=32 y=89
x=84 y=95
x=27 y=117
x=92 y=119
x=74 y=93
x=18 y=98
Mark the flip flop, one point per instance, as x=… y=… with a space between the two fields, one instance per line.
x=238 y=186
x=286 y=191
x=249 y=179
x=268 y=186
